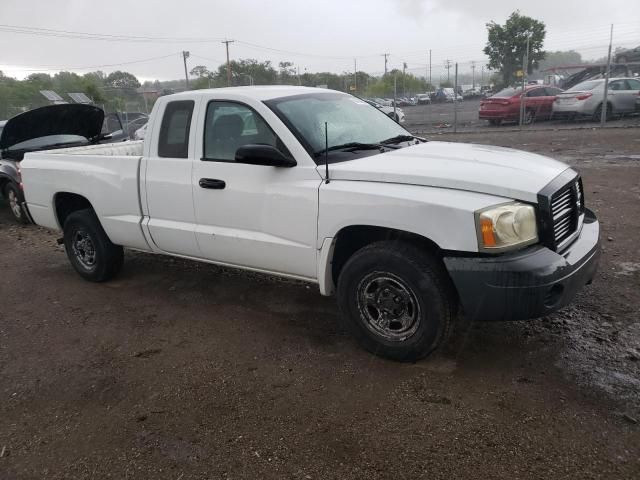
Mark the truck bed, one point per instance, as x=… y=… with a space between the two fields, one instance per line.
x=108 y=176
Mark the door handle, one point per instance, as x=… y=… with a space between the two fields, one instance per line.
x=212 y=183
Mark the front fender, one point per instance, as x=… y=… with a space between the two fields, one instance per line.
x=444 y=216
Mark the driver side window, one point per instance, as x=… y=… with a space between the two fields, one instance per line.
x=229 y=126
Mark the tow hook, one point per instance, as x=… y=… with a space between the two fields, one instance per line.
x=60 y=241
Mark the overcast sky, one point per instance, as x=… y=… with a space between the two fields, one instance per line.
x=317 y=35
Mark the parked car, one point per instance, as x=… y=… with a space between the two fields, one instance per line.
x=45 y=128
x=396 y=114
x=586 y=98
x=504 y=106
x=404 y=102
x=141 y=132
x=423 y=99
x=322 y=188
x=630 y=55
x=135 y=125
x=472 y=93
x=446 y=95
x=486 y=91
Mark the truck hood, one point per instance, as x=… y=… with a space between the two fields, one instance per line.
x=67 y=119
x=499 y=171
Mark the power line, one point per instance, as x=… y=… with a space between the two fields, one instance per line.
x=49 y=68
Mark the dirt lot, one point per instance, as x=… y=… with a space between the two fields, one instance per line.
x=180 y=370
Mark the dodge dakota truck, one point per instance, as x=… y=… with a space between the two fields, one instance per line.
x=320 y=186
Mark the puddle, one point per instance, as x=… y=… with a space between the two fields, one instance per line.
x=627 y=268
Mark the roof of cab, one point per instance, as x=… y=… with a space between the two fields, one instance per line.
x=260 y=92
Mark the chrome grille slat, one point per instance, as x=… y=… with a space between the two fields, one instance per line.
x=562 y=214
x=564 y=210
x=560 y=205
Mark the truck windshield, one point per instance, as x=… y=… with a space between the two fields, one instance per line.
x=350 y=120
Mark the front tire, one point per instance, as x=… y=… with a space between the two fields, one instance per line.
x=89 y=249
x=397 y=300
x=14 y=197
x=529 y=117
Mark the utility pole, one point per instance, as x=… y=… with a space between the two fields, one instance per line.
x=185 y=55
x=525 y=69
x=404 y=69
x=385 y=55
x=355 y=75
x=603 y=114
x=299 y=80
x=395 y=94
x=430 y=67
x=482 y=76
x=455 y=101
x=227 y=42
x=473 y=75
x=447 y=65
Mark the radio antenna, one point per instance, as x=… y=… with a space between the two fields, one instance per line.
x=326 y=152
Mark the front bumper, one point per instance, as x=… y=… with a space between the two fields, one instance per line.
x=526 y=284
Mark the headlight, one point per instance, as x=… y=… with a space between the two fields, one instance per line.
x=505 y=227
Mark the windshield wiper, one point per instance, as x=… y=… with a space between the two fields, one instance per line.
x=401 y=138
x=351 y=147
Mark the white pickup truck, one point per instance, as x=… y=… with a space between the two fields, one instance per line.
x=320 y=186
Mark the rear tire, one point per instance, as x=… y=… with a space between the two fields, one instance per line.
x=597 y=115
x=495 y=122
x=14 y=197
x=397 y=300
x=89 y=249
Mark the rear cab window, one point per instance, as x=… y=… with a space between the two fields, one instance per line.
x=175 y=128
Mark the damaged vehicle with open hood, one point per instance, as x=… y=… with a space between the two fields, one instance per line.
x=45 y=128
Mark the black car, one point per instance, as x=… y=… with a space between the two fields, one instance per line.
x=45 y=128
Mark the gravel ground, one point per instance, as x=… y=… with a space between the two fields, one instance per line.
x=181 y=370
x=439 y=117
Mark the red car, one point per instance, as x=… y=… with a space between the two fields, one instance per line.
x=504 y=106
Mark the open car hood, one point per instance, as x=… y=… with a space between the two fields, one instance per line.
x=66 y=119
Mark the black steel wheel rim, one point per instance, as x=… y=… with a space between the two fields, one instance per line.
x=388 y=307
x=84 y=249
x=14 y=204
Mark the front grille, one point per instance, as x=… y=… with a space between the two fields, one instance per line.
x=561 y=211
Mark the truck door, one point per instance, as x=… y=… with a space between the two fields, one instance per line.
x=169 y=196
x=252 y=215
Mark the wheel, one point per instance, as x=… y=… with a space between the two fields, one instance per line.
x=394 y=117
x=397 y=300
x=88 y=248
x=14 y=197
x=529 y=117
x=597 y=115
x=495 y=122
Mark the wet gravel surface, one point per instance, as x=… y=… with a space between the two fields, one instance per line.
x=182 y=370
x=440 y=117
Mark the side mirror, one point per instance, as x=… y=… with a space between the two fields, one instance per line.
x=258 y=154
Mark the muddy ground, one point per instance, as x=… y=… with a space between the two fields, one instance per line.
x=181 y=370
